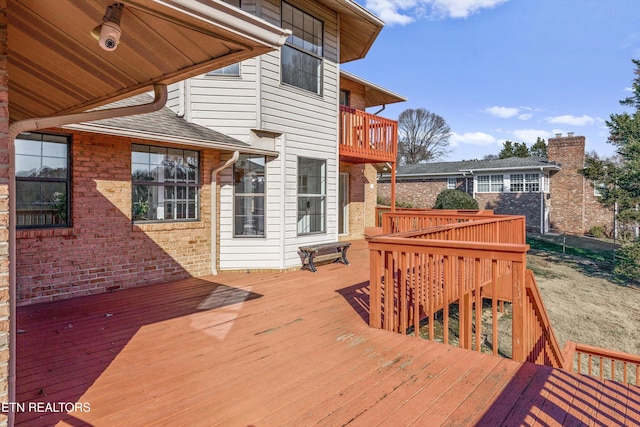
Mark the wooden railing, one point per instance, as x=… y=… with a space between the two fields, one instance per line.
x=367 y=137
x=418 y=275
x=602 y=363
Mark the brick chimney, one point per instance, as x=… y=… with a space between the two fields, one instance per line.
x=567 y=186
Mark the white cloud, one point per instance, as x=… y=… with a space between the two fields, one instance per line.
x=473 y=138
x=530 y=135
x=525 y=116
x=403 y=12
x=571 y=120
x=502 y=112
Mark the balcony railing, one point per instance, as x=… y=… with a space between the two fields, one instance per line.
x=433 y=260
x=367 y=138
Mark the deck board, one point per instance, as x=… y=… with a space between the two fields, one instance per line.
x=286 y=349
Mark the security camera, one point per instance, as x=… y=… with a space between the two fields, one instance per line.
x=109 y=36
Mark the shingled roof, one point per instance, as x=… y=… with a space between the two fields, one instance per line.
x=433 y=170
x=164 y=126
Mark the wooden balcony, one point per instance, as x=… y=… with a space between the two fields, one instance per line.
x=279 y=349
x=366 y=138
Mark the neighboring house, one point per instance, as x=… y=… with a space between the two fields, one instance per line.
x=320 y=186
x=549 y=192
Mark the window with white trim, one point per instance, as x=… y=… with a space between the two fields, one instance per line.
x=165 y=183
x=490 y=184
x=516 y=183
x=532 y=182
x=301 y=56
x=248 y=187
x=312 y=196
x=42 y=180
x=232 y=70
x=598 y=189
x=452 y=183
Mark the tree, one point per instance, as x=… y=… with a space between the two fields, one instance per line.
x=539 y=148
x=513 y=149
x=455 y=199
x=619 y=179
x=423 y=137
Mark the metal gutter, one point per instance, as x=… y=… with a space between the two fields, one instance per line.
x=28 y=125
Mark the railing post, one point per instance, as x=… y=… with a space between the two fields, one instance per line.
x=518 y=305
x=375 y=302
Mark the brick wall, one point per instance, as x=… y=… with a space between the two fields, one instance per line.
x=4 y=214
x=567 y=186
x=362 y=198
x=527 y=204
x=421 y=194
x=104 y=250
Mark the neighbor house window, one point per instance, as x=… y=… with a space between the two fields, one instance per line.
x=232 y=70
x=248 y=187
x=598 y=189
x=516 y=183
x=301 y=55
x=532 y=182
x=312 y=188
x=42 y=180
x=452 y=183
x=490 y=184
x=165 y=183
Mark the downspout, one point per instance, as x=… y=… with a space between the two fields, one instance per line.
x=39 y=123
x=380 y=110
x=214 y=211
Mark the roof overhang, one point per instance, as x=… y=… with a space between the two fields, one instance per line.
x=358 y=28
x=373 y=94
x=518 y=168
x=56 y=67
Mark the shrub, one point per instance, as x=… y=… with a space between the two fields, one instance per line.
x=455 y=199
x=596 y=231
x=628 y=261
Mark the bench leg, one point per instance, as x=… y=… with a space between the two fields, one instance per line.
x=344 y=255
x=312 y=266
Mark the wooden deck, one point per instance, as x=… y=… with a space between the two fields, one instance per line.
x=279 y=349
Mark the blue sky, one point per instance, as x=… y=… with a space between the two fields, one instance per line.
x=499 y=70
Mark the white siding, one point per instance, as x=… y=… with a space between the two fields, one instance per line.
x=307 y=125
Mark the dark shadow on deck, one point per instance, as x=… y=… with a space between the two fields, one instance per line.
x=66 y=345
x=546 y=396
x=358 y=298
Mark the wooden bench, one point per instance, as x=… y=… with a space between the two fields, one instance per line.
x=317 y=253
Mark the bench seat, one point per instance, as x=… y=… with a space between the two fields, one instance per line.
x=324 y=252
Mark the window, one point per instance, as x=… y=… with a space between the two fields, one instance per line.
x=248 y=187
x=490 y=184
x=301 y=55
x=232 y=70
x=312 y=187
x=532 y=183
x=165 y=183
x=599 y=189
x=516 y=183
x=42 y=180
x=452 y=183
x=344 y=97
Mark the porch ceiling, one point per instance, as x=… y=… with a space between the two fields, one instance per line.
x=55 y=66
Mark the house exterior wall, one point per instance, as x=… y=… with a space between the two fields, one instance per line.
x=104 y=250
x=418 y=194
x=356 y=93
x=4 y=215
x=527 y=204
x=257 y=108
x=362 y=198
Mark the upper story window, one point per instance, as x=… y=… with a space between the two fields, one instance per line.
x=312 y=196
x=42 y=180
x=232 y=70
x=452 y=183
x=345 y=96
x=301 y=56
x=248 y=188
x=165 y=183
